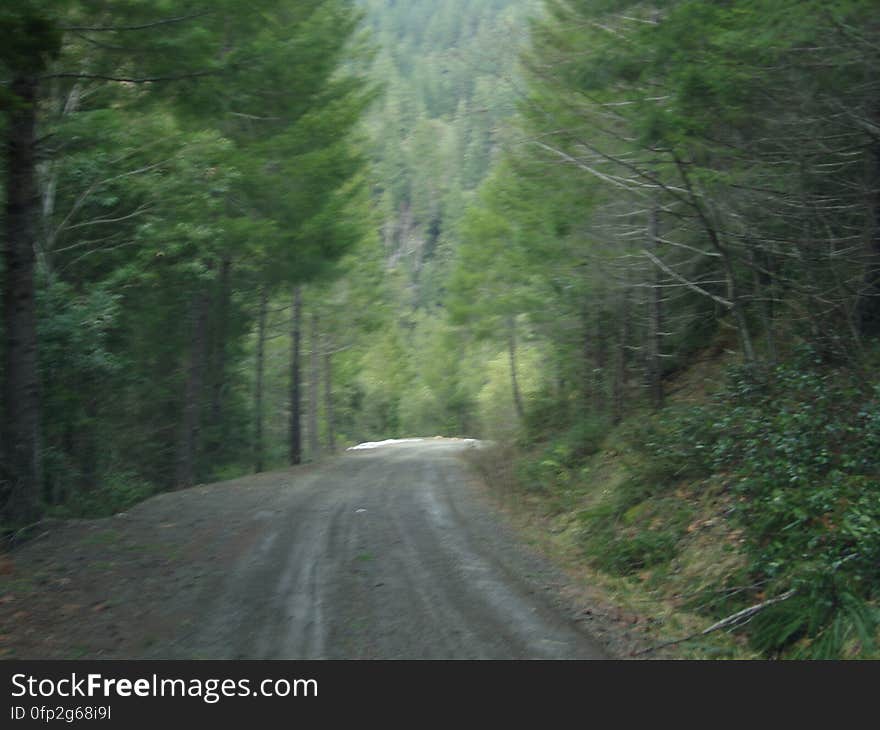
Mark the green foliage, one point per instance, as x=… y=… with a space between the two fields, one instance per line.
x=796 y=449
x=29 y=38
x=829 y=618
x=557 y=462
x=188 y=159
x=672 y=447
x=624 y=552
x=116 y=493
x=742 y=134
x=582 y=439
x=798 y=445
x=77 y=362
x=640 y=524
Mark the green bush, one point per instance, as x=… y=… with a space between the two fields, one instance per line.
x=800 y=445
x=585 y=437
x=822 y=621
x=797 y=448
x=625 y=535
x=672 y=446
x=115 y=494
x=545 y=416
x=560 y=460
x=624 y=554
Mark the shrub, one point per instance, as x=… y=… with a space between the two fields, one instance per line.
x=115 y=494
x=585 y=437
x=628 y=534
x=559 y=461
x=625 y=554
x=673 y=446
x=801 y=446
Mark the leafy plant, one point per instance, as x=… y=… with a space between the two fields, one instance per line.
x=800 y=444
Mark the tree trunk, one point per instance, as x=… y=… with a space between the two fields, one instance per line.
x=295 y=455
x=258 y=390
x=620 y=363
x=739 y=313
x=868 y=305
x=733 y=295
x=314 y=388
x=219 y=435
x=601 y=362
x=190 y=430
x=586 y=358
x=20 y=480
x=514 y=381
x=329 y=414
x=762 y=283
x=655 y=347
x=88 y=439
x=48 y=174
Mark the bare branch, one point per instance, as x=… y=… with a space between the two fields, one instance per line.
x=143 y=26
x=131 y=79
x=732 y=621
x=688 y=284
x=104 y=221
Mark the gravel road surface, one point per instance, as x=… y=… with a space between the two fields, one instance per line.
x=387 y=553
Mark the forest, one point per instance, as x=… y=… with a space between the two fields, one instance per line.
x=633 y=245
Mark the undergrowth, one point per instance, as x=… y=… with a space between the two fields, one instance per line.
x=791 y=456
x=117 y=494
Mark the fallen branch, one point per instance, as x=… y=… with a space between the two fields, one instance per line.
x=733 y=620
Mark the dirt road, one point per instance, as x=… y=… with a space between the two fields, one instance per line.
x=391 y=553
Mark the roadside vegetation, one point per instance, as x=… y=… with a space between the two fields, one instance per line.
x=751 y=511
x=686 y=231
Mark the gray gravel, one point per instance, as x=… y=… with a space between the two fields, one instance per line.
x=384 y=554
x=390 y=553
